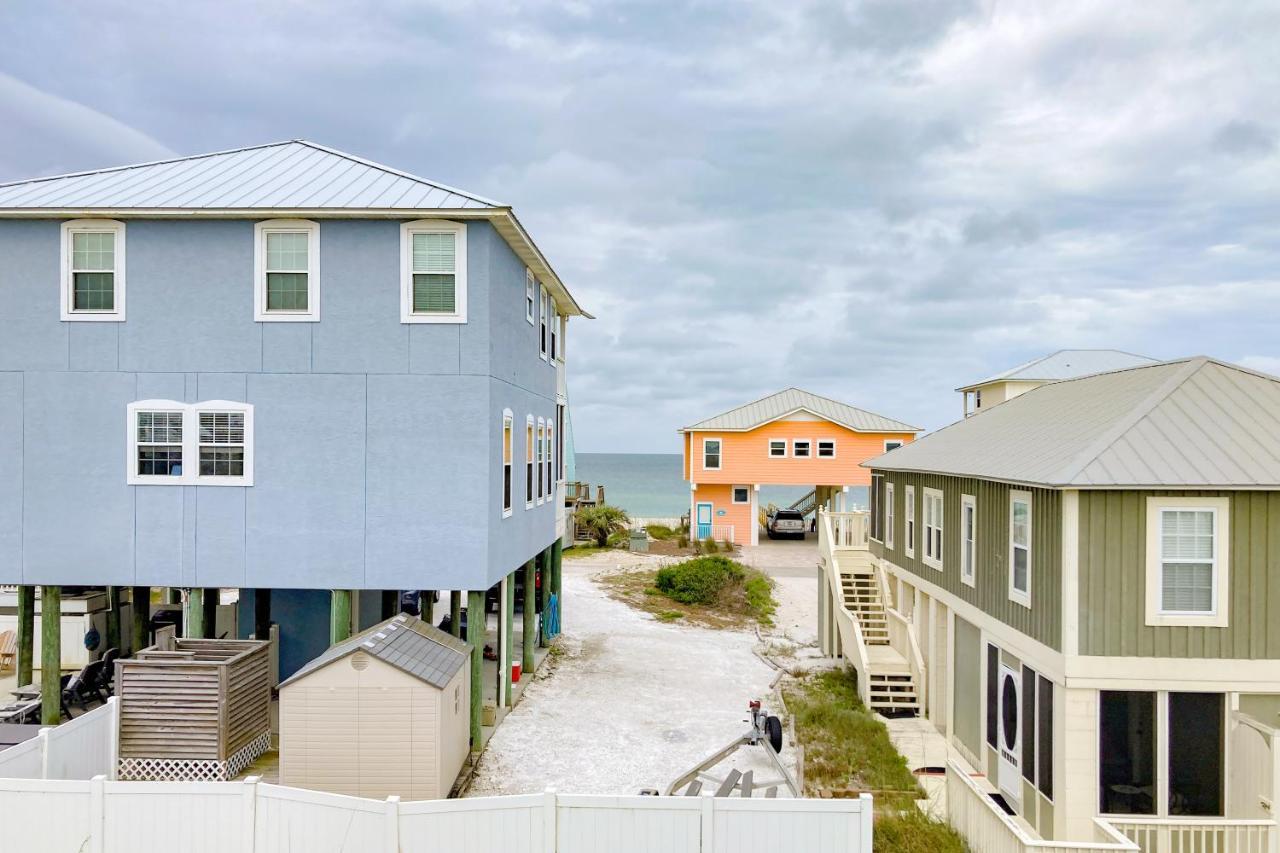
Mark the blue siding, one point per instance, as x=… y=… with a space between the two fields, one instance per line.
x=377 y=444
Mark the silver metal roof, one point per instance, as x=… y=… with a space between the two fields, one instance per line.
x=777 y=406
x=1067 y=364
x=405 y=642
x=282 y=175
x=1192 y=423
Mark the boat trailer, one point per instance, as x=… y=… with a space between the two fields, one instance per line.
x=766 y=734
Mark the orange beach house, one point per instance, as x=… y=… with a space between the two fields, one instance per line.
x=792 y=438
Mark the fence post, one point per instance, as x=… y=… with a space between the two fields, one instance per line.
x=706 y=844
x=550 y=818
x=43 y=735
x=113 y=739
x=391 y=843
x=249 y=814
x=97 y=814
x=866 y=820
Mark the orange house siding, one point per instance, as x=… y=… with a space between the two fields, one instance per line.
x=720 y=496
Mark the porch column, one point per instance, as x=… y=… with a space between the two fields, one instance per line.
x=140 y=604
x=822 y=607
x=455 y=612
x=509 y=618
x=504 y=648
x=475 y=636
x=210 y=613
x=193 y=618
x=26 y=633
x=426 y=606
x=339 y=616
x=50 y=655
x=262 y=614
x=530 y=615
x=557 y=565
x=544 y=593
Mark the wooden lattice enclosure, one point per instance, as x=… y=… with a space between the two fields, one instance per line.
x=194 y=709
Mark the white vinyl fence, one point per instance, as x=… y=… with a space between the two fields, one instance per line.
x=80 y=749
x=98 y=816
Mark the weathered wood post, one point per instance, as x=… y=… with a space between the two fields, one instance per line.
x=475 y=636
x=508 y=625
x=426 y=606
x=557 y=587
x=530 y=615
x=50 y=655
x=390 y=603
x=455 y=612
x=544 y=561
x=339 y=616
x=112 y=640
x=26 y=634
x=262 y=614
x=193 y=614
x=210 y=620
x=140 y=603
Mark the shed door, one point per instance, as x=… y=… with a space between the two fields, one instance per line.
x=1010 y=735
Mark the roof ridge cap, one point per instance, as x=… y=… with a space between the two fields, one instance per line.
x=355 y=158
x=1087 y=456
x=146 y=163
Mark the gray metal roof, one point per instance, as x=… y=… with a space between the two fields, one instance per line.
x=1067 y=364
x=405 y=642
x=282 y=175
x=777 y=406
x=1191 y=423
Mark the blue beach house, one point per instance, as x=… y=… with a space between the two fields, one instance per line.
x=282 y=369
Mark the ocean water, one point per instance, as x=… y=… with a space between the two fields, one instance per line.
x=649 y=485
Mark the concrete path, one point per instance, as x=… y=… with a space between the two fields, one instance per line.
x=793 y=565
x=630 y=703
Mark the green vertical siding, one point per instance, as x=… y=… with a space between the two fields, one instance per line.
x=968 y=682
x=1043 y=620
x=1113 y=563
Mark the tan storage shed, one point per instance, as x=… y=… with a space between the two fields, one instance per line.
x=385 y=712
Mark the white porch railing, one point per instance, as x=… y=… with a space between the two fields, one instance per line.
x=718 y=532
x=902 y=639
x=986 y=827
x=833 y=528
x=1197 y=835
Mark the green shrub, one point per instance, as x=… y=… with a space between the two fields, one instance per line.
x=618 y=539
x=759 y=589
x=600 y=522
x=684 y=541
x=660 y=532
x=726 y=545
x=912 y=831
x=709 y=545
x=698 y=581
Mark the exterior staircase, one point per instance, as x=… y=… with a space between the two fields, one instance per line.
x=892 y=687
x=806 y=504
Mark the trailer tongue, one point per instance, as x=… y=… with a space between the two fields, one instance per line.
x=766 y=734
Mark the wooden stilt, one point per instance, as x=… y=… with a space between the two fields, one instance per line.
x=455 y=612
x=114 y=626
x=50 y=655
x=502 y=686
x=26 y=634
x=544 y=592
x=210 y=621
x=193 y=615
x=390 y=603
x=262 y=614
x=557 y=565
x=339 y=616
x=426 y=606
x=140 y=604
x=475 y=636
x=529 y=625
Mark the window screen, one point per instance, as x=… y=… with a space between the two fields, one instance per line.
x=160 y=444
x=434 y=273
x=93 y=264
x=1044 y=737
x=287 y=270
x=1186 y=561
x=221 y=444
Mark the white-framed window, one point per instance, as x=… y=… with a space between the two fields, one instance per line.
x=778 y=448
x=530 y=288
x=190 y=444
x=891 y=444
x=433 y=271
x=562 y=326
x=968 y=539
x=876 y=510
x=1020 y=567
x=888 y=515
x=507 y=460
x=1188 y=561
x=543 y=322
x=549 y=465
x=93 y=280
x=909 y=521
x=286 y=263
x=711 y=454
x=801 y=447
x=542 y=446
x=555 y=330
x=560 y=407
x=933 y=507
x=528 y=462
x=826 y=449
x=742 y=494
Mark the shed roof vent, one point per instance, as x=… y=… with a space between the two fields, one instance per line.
x=359 y=661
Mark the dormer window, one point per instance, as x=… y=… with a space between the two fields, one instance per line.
x=287 y=264
x=433 y=272
x=93 y=270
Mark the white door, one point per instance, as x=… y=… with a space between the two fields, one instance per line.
x=1010 y=736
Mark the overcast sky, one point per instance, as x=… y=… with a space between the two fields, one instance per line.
x=874 y=201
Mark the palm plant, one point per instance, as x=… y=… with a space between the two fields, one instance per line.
x=602 y=521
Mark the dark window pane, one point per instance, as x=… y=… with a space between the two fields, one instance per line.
x=286 y=291
x=1127 y=752
x=528 y=482
x=222 y=461
x=94 y=291
x=160 y=461
x=433 y=293
x=1044 y=743
x=506 y=486
x=993 y=695
x=1029 y=724
x=1195 y=754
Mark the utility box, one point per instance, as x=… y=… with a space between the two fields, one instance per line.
x=639 y=540
x=385 y=712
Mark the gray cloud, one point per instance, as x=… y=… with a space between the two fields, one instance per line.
x=875 y=200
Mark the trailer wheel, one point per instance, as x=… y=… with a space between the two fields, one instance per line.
x=773 y=728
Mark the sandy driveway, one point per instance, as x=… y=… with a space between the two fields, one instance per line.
x=630 y=705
